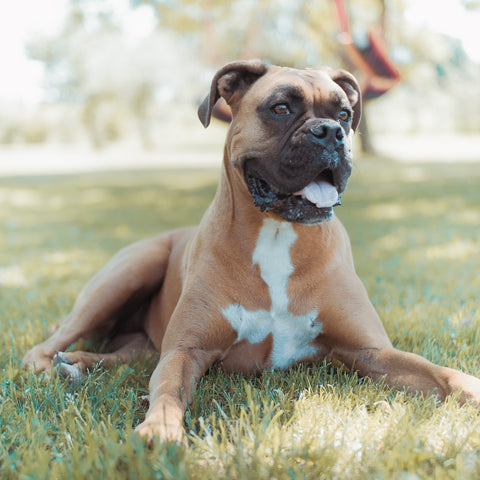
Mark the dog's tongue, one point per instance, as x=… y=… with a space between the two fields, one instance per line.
x=321 y=193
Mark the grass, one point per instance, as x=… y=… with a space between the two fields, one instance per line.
x=414 y=230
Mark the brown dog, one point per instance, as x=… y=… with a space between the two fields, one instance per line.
x=267 y=279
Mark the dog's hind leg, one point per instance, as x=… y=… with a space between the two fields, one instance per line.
x=116 y=293
x=123 y=349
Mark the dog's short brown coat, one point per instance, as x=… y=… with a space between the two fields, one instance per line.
x=267 y=278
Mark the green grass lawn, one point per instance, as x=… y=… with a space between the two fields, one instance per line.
x=415 y=235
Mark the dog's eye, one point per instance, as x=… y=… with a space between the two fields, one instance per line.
x=344 y=116
x=281 y=109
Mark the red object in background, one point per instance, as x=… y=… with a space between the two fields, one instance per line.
x=380 y=73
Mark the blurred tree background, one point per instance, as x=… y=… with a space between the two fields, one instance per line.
x=103 y=86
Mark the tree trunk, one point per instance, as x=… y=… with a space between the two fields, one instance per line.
x=365 y=136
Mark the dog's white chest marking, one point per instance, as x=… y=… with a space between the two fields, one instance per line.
x=291 y=334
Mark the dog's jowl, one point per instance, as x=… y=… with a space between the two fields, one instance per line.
x=267 y=278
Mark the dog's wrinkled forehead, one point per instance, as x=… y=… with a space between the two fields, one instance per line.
x=314 y=87
x=243 y=84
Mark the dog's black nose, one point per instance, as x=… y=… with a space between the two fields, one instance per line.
x=327 y=134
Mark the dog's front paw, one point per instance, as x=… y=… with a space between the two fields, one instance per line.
x=37 y=360
x=163 y=431
x=466 y=385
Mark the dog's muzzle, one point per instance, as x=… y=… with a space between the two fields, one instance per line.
x=304 y=182
x=312 y=204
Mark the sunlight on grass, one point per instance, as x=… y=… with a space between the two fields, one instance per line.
x=388 y=211
x=414 y=232
x=457 y=249
x=19 y=198
x=12 y=276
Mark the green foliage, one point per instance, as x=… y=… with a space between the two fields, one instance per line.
x=414 y=230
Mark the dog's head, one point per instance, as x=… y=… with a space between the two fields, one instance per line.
x=290 y=136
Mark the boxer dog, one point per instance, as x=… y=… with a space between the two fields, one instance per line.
x=267 y=279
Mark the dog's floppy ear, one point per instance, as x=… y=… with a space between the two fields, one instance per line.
x=351 y=87
x=230 y=82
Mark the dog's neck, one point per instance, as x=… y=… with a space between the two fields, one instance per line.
x=233 y=216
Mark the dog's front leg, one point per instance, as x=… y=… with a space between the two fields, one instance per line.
x=358 y=339
x=171 y=389
x=403 y=370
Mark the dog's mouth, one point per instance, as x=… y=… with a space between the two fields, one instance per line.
x=312 y=204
